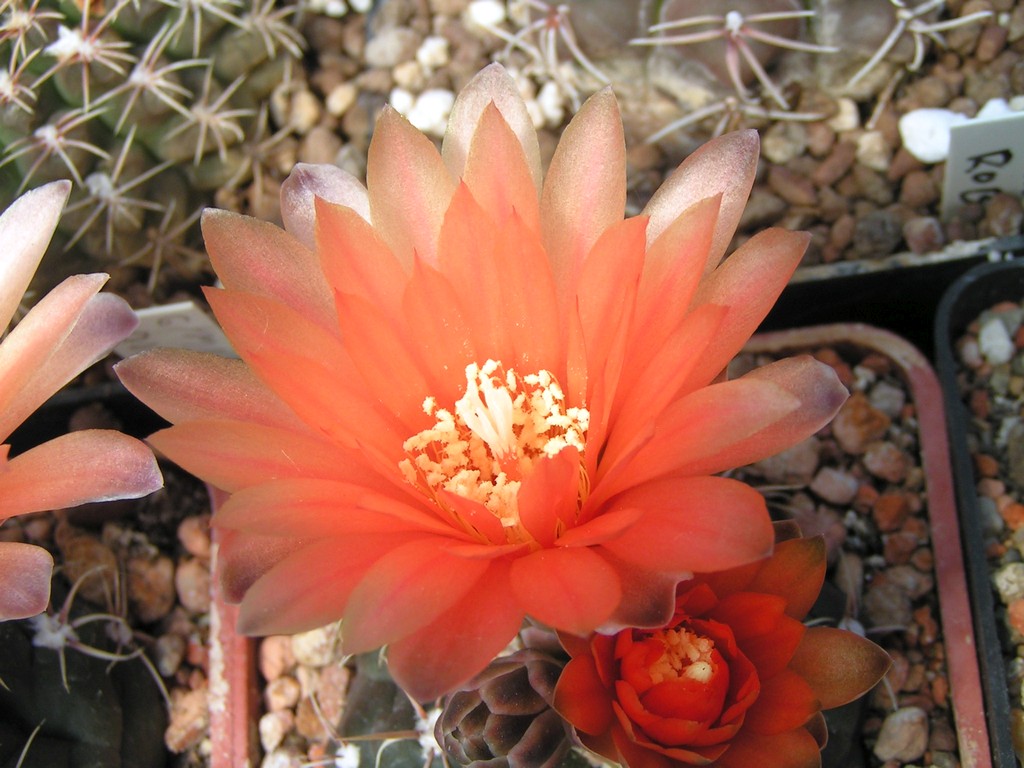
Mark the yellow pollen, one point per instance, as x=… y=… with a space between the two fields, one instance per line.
x=485 y=445
x=686 y=654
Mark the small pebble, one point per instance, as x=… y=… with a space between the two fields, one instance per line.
x=316 y=647
x=192 y=582
x=904 y=735
x=189 y=719
x=994 y=342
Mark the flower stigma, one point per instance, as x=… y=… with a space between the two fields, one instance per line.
x=485 y=446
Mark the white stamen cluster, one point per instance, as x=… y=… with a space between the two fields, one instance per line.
x=489 y=441
x=686 y=655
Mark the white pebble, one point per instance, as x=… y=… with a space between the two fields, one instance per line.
x=333 y=8
x=316 y=647
x=551 y=101
x=401 y=100
x=273 y=726
x=926 y=133
x=408 y=75
x=874 y=151
x=995 y=342
x=1009 y=582
x=847 y=117
x=341 y=98
x=362 y=6
x=431 y=110
x=433 y=52
x=282 y=757
x=486 y=13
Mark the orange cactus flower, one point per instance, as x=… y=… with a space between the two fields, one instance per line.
x=71 y=328
x=468 y=395
x=734 y=679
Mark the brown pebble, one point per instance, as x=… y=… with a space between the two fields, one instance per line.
x=150 y=586
x=918 y=189
x=923 y=559
x=991 y=488
x=792 y=187
x=194 y=535
x=276 y=656
x=986 y=465
x=924 y=234
x=192 y=582
x=1013 y=516
x=308 y=722
x=991 y=42
x=836 y=165
x=890 y=510
x=858 y=424
x=189 y=720
x=898 y=547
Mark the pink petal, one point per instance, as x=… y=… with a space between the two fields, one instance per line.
x=492 y=85
x=568 y=588
x=315 y=508
x=648 y=595
x=105 y=321
x=181 y=385
x=839 y=665
x=242 y=558
x=461 y=641
x=236 y=454
x=708 y=428
x=307 y=182
x=95 y=465
x=28 y=348
x=25 y=572
x=694 y=525
x=820 y=395
x=497 y=172
x=672 y=270
x=404 y=590
x=585 y=188
x=256 y=257
x=723 y=166
x=748 y=283
x=355 y=259
x=25 y=230
x=409 y=188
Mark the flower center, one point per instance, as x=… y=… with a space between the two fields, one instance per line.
x=485 y=446
x=686 y=655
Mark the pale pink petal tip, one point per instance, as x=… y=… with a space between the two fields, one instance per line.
x=328 y=182
x=25 y=572
x=25 y=231
x=492 y=85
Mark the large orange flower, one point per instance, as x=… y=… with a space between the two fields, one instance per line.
x=731 y=681
x=466 y=396
x=71 y=328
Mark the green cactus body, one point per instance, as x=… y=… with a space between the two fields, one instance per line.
x=178 y=81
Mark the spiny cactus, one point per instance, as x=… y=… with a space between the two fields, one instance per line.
x=144 y=104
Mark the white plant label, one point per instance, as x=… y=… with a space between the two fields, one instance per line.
x=182 y=326
x=985 y=157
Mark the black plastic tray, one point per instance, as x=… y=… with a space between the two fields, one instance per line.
x=972 y=293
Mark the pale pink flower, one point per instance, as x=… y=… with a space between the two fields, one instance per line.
x=71 y=328
x=469 y=395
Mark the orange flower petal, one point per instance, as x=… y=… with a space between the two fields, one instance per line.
x=461 y=641
x=409 y=188
x=786 y=702
x=748 y=283
x=790 y=749
x=404 y=590
x=694 y=524
x=581 y=698
x=307 y=367
x=242 y=558
x=795 y=571
x=257 y=257
x=725 y=166
x=567 y=588
x=648 y=595
x=585 y=188
x=310 y=586
x=180 y=384
x=355 y=259
x=839 y=665
x=313 y=508
x=547 y=497
x=767 y=636
x=497 y=172
x=235 y=454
